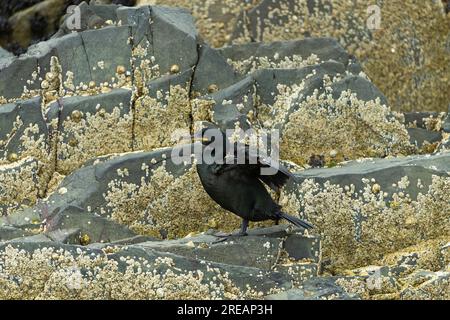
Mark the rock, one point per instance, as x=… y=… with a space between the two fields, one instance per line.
x=345 y=196
x=133 y=240
x=286 y=99
x=18 y=185
x=421 y=137
x=158 y=189
x=162 y=111
x=89 y=64
x=261 y=249
x=430 y=255
x=267 y=21
x=233 y=104
x=446 y=125
x=81 y=124
x=14 y=73
x=75 y=56
x=23 y=131
x=386 y=172
x=96 y=228
x=276 y=231
x=288 y=54
x=72 y=62
x=38 y=238
x=426 y=285
x=444 y=146
x=419 y=119
x=86 y=186
x=138 y=19
x=33 y=21
x=208 y=277
x=268 y=80
x=323 y=288
x=363 y=88
x=212 y=69
x=174 y=38
x=5 y=54
x=115 y=52
x=9 y=233
x=303 y=247
x=257 y=252
x=445 y=251
x=299 y=271
x=256 y=22
x=67 y=236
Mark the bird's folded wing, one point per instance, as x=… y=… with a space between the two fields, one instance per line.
x=274 y=178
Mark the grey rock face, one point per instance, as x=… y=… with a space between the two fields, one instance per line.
x=9 y=233
x=256 y=20
x=174 y=38
x=419 y=136
x=138 y=19
x=257 y=252
x=323 y=288
x=301 y=247
x=163 y=84
x=446 y=125
x=103 y=63
x=233 y=104
x=95 y=109
x=419 y=118
x=14 y=73
x=325 y=49
x=261 y=249
x=4 y=53
x=67 y=236
x=86 y=187
x=72 y=57
x=97 y=228
x=363 y=89
x=212 y=69
x=386 y=172
x=23 y=130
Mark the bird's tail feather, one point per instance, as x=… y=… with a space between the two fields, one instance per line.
x=296 y=221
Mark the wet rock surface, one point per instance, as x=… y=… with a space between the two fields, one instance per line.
x=92 y=193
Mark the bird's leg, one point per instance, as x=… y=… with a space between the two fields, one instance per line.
x=241 y=233
x=244 y=226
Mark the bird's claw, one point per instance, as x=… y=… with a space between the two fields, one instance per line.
x=222 y=234
x=226 y=236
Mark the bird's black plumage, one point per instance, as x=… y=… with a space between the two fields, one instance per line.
x=239 y=187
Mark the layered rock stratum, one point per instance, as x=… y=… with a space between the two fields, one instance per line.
x=94 y=207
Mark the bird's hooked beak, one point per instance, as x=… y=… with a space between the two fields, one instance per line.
x=197 y=138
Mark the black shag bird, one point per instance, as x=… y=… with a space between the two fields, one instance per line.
x=239 y=187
